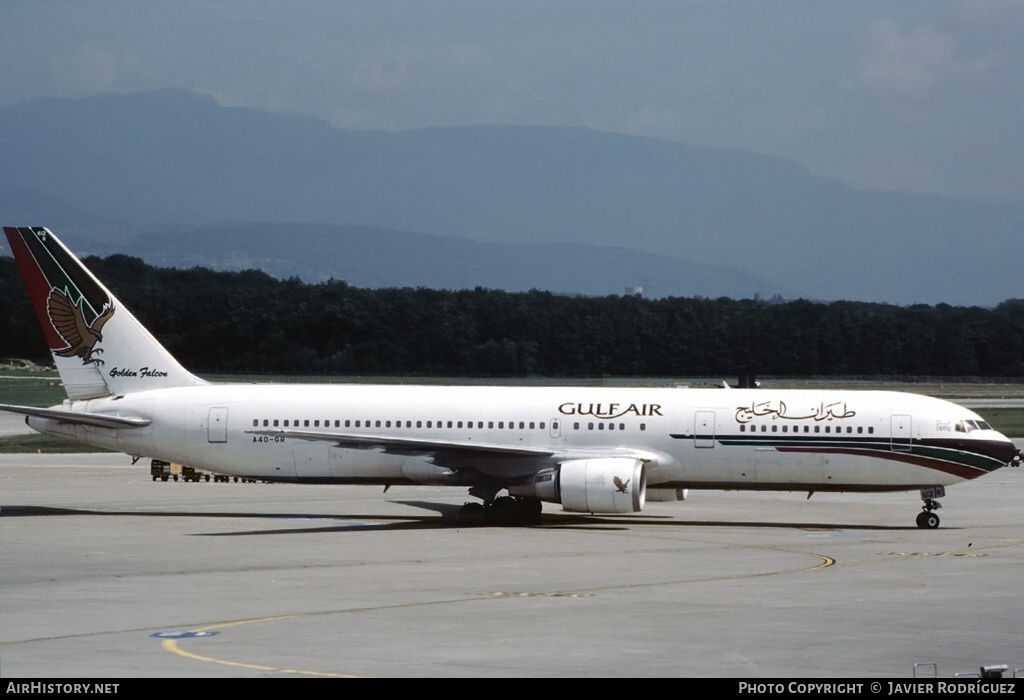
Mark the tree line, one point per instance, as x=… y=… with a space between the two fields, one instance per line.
x=250 y=322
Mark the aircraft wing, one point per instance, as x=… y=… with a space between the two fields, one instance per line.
x=102 y=420
x=390 y=443
x=456 y=453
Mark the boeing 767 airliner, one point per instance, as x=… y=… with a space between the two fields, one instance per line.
x=591 y=450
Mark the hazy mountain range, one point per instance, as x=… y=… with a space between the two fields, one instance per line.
x=375 y=257
x=157 y=174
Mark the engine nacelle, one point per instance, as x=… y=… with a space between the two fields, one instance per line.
x=600 y=485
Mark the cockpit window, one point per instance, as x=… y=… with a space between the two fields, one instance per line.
x=966 y=426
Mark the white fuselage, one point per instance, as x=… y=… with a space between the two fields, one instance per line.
x=688 y=438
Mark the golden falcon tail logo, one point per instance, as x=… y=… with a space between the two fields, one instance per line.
x=69 y=322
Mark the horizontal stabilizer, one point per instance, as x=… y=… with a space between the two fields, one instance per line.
x=101 y=420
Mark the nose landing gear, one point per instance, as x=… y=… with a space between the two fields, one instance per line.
x=927 y=519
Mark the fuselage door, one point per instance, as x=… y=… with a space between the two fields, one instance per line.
x=556 y=427
x=902 y=435
x=217 y=428
x=704 y=429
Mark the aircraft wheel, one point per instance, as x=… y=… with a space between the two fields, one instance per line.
x=502 y=511
x=471 y=514
x=528 y=511
x=927 y=520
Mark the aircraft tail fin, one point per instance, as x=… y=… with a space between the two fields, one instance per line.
x=98 y=346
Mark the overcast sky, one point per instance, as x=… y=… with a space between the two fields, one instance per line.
x=915 y=95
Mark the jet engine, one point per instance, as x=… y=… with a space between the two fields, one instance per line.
x=599 y=485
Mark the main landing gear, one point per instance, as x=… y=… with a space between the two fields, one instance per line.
x=503 y=512
x=927 y=519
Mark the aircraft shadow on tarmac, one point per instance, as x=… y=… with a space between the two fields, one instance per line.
x=448 y=519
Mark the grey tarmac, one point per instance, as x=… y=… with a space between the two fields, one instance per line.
x=13 y=424
x=269 y=580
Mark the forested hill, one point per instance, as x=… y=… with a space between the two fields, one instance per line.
x=251 y=322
